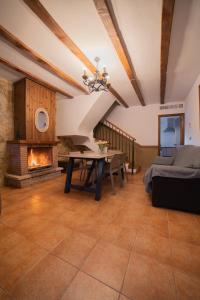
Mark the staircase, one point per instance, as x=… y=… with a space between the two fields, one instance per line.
x=117 y=139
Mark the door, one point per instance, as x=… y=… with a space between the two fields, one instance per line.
x=170 y=133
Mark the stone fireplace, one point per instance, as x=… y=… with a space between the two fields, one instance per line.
x=32 y=156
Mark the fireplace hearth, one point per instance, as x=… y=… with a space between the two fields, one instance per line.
x=30 y=163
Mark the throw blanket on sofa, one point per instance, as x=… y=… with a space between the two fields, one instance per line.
x=168 y=171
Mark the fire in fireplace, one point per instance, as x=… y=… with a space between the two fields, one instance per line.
x=39 y=158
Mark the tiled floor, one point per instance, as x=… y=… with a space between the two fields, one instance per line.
x=71 y=247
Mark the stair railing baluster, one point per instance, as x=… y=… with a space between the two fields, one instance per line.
x=132 y=165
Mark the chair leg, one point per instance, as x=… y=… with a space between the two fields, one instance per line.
x=121 y=178
x=112 y=183
x=125 y=172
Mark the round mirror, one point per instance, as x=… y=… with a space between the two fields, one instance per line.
x=41 y=120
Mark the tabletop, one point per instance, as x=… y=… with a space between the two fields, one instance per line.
x=91 y=155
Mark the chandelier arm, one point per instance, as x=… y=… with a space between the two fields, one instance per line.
x=99 y=81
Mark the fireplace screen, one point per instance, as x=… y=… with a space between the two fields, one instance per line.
x=39 y=158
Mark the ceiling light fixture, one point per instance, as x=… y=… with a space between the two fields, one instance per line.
x=98 y=81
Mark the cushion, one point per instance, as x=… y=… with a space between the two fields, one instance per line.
x=163 y=160
x=188 y=156
x=194 y=165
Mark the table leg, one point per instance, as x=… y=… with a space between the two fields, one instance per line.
x=90 y=173
x=70 y=168
x=100 y=171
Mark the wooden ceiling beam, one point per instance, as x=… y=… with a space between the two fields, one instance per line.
x=166 y=26
x=34 y=78
x=107 y=15
x=36 y=57
x=37 y=7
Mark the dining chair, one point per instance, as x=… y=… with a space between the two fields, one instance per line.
x=123 y=157
x=86 y=165
x=115 y=167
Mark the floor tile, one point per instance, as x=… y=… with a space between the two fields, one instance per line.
x=69 y=225
x=154 y=246
x=4 y=295
x=47 y=280
x=15 y=263
x=84 y=287
x=120 y=236
x=51 y=235
x=159 y=228
x=186 y=257
x=189 y=233
x=188 y=287
x=75 y=248
x=108 y=264
x=179 y=217
x=92 y=228
x=146 y=279
x=122 y=297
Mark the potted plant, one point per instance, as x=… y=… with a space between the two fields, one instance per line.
x=103 y=146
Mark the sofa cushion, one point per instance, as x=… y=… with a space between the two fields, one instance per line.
x=188 y=156
x=194 y=165
x=163 y=160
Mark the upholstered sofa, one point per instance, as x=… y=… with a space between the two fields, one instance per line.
x=174 y=182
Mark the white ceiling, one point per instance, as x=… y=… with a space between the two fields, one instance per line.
x=140 y=24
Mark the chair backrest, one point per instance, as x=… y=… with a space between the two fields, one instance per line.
x=123 y=158
x=115 y=162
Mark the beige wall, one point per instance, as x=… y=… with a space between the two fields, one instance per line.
x=141 y=121
x=192 y=115
x=144 y=156
x=6 y=123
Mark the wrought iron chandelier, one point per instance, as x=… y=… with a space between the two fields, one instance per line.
x=98 y=81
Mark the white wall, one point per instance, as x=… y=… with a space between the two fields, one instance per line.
x=140 y=122
x=192 y=115
x=96 y=112
x=80 y=115
x=70 y=113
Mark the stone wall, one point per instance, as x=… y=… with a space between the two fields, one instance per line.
x=6 y=123
x=66 y=145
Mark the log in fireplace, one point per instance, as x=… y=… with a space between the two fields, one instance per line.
x=39 y=157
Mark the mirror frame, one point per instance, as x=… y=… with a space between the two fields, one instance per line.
x=37 y=112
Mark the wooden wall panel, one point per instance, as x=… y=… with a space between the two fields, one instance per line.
x=28 y=97
x=38 y=96
x=19 y=110
x=144 y=155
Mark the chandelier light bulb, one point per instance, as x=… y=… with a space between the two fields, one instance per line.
x=84 y=71
x=104 y=69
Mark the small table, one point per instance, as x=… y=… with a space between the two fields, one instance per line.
x=98 y=160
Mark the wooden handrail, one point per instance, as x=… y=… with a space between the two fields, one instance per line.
x=116 y=128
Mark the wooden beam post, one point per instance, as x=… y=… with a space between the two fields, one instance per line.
x=107 y=15
x=36 y=57
x=166 y=26
x=40 y=11
x=33 y=77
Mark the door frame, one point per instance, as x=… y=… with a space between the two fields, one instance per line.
x=182 y=127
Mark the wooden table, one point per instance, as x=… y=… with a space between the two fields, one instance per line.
x=98 y=161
